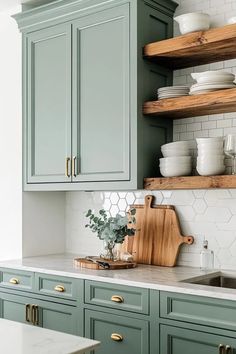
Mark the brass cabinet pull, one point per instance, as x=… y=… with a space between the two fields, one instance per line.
x=59 y=288
x=27 y=312
x=221 y=348
x=68 y=167
x=117 y=298
x=35 y=316
x=117 y=337
x=14 y=281
x=74 y=166
x=228 y=349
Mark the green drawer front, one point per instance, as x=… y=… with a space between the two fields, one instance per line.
x=184 y=341
x=17 y=279
x=199 y=310
x=62 y=287
x=133 y=333
x=117 y=297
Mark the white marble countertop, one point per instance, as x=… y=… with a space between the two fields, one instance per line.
x=144 y=276
x=19 y=338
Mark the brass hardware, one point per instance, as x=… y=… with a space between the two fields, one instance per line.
x=227 y=349
x=74 y=166
x=117 y=337
x=27 y=312
x=14 y=281
x=68 y=174
x=34 y=315
x=221 y=348
x=59 y=288
x=117 y=298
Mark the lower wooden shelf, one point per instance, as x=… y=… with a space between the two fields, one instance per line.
x=190 y=182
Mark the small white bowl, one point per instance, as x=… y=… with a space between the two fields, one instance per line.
x=175 y=152
x=215 y=140
x=177 y=145
x=216 y=76
x=193 y=22
x=176 y=160
x=176 y=171
x=206 y=170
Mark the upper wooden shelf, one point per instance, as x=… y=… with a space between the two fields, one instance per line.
x=190 y=182
x=195 y=48
x=221 y=101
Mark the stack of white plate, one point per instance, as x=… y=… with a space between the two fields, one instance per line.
x=210 y=160
x=177 y=159
x=209 y=81
x=172 y=91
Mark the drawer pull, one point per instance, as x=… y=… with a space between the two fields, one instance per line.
x=35 y=315
x=14 y=281
x=228 y=349
x=60 y=288
x=117 y=298
x=221 y=348
x=27 y=312
x=117 y=337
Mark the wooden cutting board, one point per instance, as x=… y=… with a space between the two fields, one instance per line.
x=158 y=238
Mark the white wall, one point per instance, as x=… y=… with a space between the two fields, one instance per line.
x=209 y=214
x=10 y=137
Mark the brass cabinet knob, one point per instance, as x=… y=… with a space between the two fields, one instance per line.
x=228 y=349
x=117 y=298
x=221 y=348
x=59 y=288
x=117 y=337
x=14 y=281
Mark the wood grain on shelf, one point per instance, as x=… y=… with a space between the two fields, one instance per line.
x=195 y=48
x=220 y=101
x=190 y=182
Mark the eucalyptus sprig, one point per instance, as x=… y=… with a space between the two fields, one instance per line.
x=112 y=229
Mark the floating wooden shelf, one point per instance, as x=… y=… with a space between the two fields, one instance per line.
x=221 y=101
x=190 y=182
x=194 y=48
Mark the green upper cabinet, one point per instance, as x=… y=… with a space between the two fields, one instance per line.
x=85 y=81
x=48 y=127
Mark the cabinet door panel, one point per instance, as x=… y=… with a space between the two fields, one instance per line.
x=179 y=340
x=101 y=326
x=13 y=307
x=49 y=104
x=101 y=118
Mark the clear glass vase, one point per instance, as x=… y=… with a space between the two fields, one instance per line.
x=109 y=251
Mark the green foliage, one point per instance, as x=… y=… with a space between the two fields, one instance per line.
x=112 y=229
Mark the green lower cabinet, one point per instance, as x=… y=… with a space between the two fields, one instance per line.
x=117 y=334
x=176 y=340
x=51 y=315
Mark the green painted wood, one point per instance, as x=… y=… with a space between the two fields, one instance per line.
x=25 y=279
x=48 y=104
x=135 y=333
x=199 y=310
x=45 y=284
x=115 y=145
x=135 y=299
x=176 y=340
x=13 y=307
x=101 y=113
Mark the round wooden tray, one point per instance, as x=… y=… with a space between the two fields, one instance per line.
x=84 y=263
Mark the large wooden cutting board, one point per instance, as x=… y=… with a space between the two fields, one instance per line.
x=158 y=238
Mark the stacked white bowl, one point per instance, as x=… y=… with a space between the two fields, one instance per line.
x=210 y=160
x=177 y=159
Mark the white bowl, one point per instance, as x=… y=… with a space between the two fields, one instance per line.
x=216 y=76
x=210 y=150
x=177 y=145
x=176 y=160
x=175 y=152
x=210 y=170
x=209 y=160
x=231 y=20
x=215 y=140
x=193 y=22
x=176 y=171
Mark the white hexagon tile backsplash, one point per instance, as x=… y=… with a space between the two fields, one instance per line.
x=209 y=214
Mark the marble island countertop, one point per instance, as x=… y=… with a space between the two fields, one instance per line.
x=144 y=276
x=19 y=338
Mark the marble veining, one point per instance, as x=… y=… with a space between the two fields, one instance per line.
x=30 y=339
x=144 y=276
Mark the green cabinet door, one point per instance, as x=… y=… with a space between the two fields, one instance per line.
x=13 y=307
x=117 y=334
x=176 y=340
x=48 y=109
x=101 y=96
